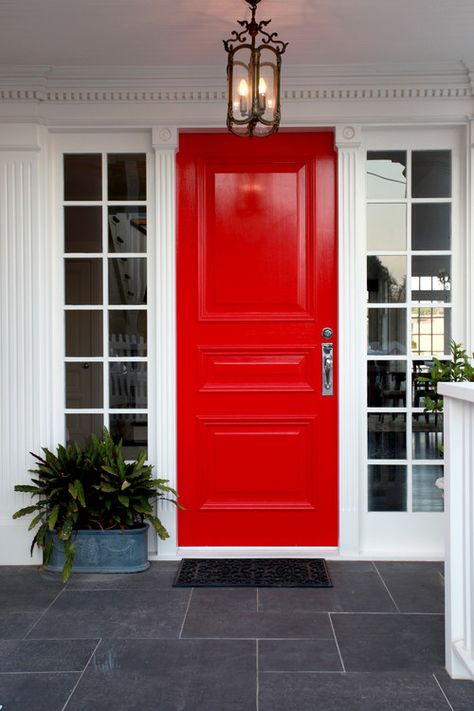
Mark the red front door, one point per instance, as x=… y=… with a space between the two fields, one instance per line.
x=257 y=283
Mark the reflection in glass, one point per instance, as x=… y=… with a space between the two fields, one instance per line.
x=431 y=226
x=387 y=487
x=431 y=278
x=127 y=333
x=79 y=428
x=84 y=385
x=430 y=330
x=421 y=389
x=132 y=430
x=127 y=280
x=82 y=176
x=427 y=435
x=426 y=495
x=387 y=435
x=386 y=227
x=128 y=385
x=83 y=281
x=126 y=176
x=82 y=229
x=386 y=331
x=84 y=333
x=431 y=174
x=386 y=279
x=386 y=174
x=127 y=229
x=386 y=383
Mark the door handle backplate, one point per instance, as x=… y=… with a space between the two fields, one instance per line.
x=327 y=361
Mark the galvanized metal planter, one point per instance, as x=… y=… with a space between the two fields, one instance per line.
x=100 y=551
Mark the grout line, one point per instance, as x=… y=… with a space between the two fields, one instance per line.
x=257 y=691
x=83 y=672
x=308 y=671
x=186 y=614
x=51 y=671
x=442 y=691
x=337 y=643
x=30 y=630
x=441 y=575
x=386 y=588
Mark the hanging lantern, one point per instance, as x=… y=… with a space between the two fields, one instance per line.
x=253 y=76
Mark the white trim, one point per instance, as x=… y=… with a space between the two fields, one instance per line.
x=332 y=553
x=165 y=144
x=351 y=333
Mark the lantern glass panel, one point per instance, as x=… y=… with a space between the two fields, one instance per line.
x=241 y=85
x=267 y=85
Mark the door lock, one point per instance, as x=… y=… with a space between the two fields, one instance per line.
x=327 y=332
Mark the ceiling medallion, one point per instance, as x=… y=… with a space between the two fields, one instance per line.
x=253 y=76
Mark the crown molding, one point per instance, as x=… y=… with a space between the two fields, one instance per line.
x=45 y=84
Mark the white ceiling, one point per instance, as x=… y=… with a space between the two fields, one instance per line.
x=190 y=32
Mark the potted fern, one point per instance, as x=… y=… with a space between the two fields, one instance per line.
x=93 y=507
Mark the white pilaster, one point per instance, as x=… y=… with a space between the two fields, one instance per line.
x=352 y=375
x=165 y=144
x=25 y=321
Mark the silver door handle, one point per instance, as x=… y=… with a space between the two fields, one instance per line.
x=327 y=350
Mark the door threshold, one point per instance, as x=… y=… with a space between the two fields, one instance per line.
x=252 y=552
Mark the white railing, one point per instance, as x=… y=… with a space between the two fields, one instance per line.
x=459 y=492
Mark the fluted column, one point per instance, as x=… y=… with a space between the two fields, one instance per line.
x=165 y=144
x=26 y=396
x=352 y=375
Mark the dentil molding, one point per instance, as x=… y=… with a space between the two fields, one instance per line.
x=42 y=84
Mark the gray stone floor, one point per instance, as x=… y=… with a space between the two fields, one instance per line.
x=373 y=642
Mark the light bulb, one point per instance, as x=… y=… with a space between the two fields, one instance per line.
x=243 y=93
x=243 y=88
x=262 y=86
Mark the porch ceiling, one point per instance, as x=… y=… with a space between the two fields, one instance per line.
x=189 y=32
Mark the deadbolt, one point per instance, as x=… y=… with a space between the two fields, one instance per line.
x=327 y=332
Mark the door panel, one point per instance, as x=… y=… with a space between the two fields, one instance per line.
x=257 y=282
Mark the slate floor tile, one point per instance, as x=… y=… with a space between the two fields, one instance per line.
x=27 y=589
x=390 y=642
x=298 y=655
x=45 y=655
x=460 y=692
x=252 y=625
x=349 y=692
x=91 y=614
x=35 y=692
x=169 y=675
x=409 y=566
x=352 y=592
x=14 y=625
x=158 y=576
x=415 y=590
x=350 y=566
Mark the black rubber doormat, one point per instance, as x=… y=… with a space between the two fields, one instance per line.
x=252 y=572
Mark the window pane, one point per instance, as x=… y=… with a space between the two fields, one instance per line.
x=431 y=278
x=84 y=385
x=132 y=430
x=421 y=389
x=83 y=229
x=426 y=495
x=127 y=333
x=127 y=229
x=128 y=385
x=83 y=176
x=127 y=281
x=386 y=279
x=386 y=227
x=126 y=176
x=431 y=176
x=427 y=435
x=80 y=427
x=431 y=226
x=430 y=330
x=386 y=174
x=83 y=281
x=83 y=333
x=386 y=386
x=387 y=435
x=387 y=331
x=387 y=488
